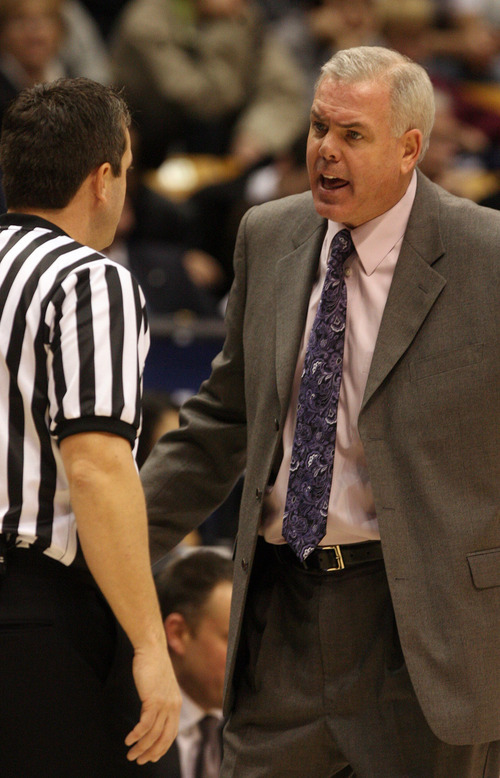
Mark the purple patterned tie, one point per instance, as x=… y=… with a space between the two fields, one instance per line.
x=311 y=468
x=209 y=755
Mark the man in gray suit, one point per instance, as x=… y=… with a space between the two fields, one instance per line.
x=376 y=653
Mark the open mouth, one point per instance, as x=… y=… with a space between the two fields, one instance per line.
x=331 y=182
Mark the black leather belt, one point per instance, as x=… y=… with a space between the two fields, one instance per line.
x=331 y=559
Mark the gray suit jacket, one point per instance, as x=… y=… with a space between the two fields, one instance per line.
x=429 y=426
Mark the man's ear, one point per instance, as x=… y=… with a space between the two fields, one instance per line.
x=99 y=181
x=177 y=632
x=412 y=146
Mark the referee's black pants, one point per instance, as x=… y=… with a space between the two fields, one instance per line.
x=67 y=698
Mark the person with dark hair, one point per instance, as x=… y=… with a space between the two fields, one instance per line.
x=65 y=146
x=86 y=672
x=358 y=389
x=195 y=597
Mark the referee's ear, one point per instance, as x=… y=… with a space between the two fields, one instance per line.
x=100 y=181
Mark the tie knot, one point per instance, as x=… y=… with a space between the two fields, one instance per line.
x=208 y=727
x=342 y=246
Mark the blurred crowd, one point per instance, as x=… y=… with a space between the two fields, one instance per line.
x=220 y=92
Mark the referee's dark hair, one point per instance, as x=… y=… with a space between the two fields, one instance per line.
x=186 y=582
x=54 y=135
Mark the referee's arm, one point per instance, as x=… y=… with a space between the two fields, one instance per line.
x=108 y=503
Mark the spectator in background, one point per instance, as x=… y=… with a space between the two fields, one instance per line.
x=205 y=76
x=41 y=40
x=450 y=53
x=195 y=597
x=313 y=31
x=173 y=276
x=453 y=45
x=83 y=50
x=407 y=26
x=157 y=240
x=454 y=159
x=470 y=9
x=467 y=36
x=31 y=32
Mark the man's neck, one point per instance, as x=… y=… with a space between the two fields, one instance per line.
x=63 y=218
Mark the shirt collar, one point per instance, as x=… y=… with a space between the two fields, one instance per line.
x=28 y=221
x=375 y=239
x=191 y=714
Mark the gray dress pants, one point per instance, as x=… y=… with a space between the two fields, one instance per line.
x=322 y=687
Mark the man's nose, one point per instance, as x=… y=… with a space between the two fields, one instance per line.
x=329 y=148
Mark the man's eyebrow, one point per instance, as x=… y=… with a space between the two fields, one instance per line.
x=345 y=125
x=351 y=125
x=315 y=113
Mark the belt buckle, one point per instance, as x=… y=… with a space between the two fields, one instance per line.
x=338 y=558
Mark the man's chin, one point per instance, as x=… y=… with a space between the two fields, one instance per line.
x=328 y=207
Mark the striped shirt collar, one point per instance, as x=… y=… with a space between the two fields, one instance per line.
x=28 y=221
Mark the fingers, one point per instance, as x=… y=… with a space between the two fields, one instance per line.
x=152 y=736
x=161 y=704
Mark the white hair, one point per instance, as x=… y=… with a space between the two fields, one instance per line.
x=412 y=93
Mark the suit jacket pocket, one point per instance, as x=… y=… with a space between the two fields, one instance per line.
x=446 y=361
x=485 y=568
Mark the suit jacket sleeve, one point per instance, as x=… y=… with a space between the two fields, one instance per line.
x=193 y=469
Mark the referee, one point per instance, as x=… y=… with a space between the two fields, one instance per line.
x=87 y=687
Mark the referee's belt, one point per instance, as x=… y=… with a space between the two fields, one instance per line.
x=332 y=559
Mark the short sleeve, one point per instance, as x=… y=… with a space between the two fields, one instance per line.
x=98 y=342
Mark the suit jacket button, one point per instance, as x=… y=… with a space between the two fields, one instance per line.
x=258 y=494
x=244 y=565
x=276 y=424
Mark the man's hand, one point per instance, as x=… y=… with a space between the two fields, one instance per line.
x=161 y=704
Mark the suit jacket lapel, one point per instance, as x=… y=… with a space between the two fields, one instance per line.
x=414 y=289
x=295 y=274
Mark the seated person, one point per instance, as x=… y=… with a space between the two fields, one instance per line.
x=205 y=76
x=195 y=597
x=41 y=40
x=31 y=32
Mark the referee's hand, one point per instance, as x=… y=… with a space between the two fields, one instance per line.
x=161 y=704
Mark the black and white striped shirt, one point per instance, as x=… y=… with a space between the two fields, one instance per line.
x=73 y=341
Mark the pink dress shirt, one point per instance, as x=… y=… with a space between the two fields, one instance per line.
x=368 y=276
